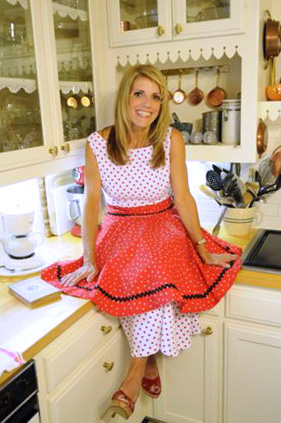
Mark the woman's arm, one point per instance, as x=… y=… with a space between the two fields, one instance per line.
x=90 y=221
x=185 y=203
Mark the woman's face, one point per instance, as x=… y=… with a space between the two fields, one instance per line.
x=144 y=102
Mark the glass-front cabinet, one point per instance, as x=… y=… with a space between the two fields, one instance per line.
x=46 y=80
x=137 y=22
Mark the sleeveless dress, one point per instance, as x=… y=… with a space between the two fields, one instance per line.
x=150 y=274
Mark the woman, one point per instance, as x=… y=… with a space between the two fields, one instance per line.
x=151 y=264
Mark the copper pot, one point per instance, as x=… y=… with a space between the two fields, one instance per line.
x=276 y=161
x=262 y=137
x=271 y=38
x=196 y=95
x=273 y=91
x=216 y=96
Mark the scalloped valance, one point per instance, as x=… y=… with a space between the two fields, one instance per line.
x=64 y=11
x=16 y=84
x=23 y=3
x=67 y=87
x=168 y=55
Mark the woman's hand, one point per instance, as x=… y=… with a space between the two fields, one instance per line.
x=215 y=259
x=87 y=271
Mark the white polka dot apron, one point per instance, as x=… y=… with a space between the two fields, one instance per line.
x=148 y=268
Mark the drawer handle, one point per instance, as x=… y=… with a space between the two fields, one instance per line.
x=108 y=365
x=106 y=329
x=207 y=331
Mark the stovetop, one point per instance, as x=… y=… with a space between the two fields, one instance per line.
x=263 y=253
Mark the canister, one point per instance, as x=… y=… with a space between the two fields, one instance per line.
x=231 y=112
x=211 y=121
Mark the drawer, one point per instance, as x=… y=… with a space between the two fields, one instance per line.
x=61 y=357
x=259 y=305
x=85 y=394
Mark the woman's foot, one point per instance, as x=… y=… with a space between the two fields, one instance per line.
x=123 y=401
x=151 y=383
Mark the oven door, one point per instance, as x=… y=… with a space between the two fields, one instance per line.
x=26 y=413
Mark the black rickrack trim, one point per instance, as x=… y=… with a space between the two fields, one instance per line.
x=160 y=288
x=140 y=214
x=58 y=272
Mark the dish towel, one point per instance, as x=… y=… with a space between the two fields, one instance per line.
x=9 y=360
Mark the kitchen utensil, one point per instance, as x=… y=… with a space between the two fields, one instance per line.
x=216 y=96
x=271 y=38
x=209 y=138
x=273 y=91
x=179 y=95
x=217 y=227
x=181 y=126
x=196 y=95
x=210 y=193
x=196 y=137
x=231 y=188
x=276 y=161
x=211 y=121
x=271 y=188
x=262 y=137
x=264 y=167
x=231 y=110
x=213 y=180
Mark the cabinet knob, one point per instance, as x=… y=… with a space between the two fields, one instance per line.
x=108 y=365
x=207 y=331
x=54 y=151
x=161 y=30
x=178 y=28
x=106 y=329
x=66 y=147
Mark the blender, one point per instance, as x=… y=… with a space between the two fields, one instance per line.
x=75 y=202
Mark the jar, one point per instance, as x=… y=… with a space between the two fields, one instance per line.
x=231 y=111
x=211 y=121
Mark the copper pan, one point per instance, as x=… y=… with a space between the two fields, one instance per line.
x=271 y=38
x=262 y=137
x=276 y=161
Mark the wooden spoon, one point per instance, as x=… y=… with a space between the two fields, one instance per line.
x=196 y=95
x=179 y=95
x=217 y=94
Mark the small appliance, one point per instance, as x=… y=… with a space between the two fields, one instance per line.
x=19 y=242
x=75 y=203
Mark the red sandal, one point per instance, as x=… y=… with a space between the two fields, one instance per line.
x=152 y=387
x=122 y=404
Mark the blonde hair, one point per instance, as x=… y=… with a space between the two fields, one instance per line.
x=117 y=146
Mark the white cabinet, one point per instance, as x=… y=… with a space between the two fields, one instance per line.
x=191 y=381
x=134 y=22
x=252 y=374
x=80 y=370
x=46 y=86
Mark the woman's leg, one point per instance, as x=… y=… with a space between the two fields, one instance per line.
x=132 y=383
x=151 y=368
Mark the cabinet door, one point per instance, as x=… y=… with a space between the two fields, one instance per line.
x=194 y=19
x=85 y=395
x=138 y=22
x=74 y=68
x=191 y=381
x=22 y=133
x=252 y=374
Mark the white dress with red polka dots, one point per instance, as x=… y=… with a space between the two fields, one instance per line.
x=149 y=273
x=136 y=184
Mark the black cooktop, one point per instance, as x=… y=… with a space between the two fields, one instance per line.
x=264 y=252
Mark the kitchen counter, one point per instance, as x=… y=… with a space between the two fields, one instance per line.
x=28 y=331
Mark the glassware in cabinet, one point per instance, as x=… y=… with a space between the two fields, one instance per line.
x=74 y=67
x=20 y=115
x=133 y=21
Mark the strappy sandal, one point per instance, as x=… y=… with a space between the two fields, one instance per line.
x=152 y=387
x=122 y=404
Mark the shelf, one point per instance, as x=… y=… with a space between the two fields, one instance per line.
x=30 y=85
x=65 y=11
x=22 y=3
x=75 y=86
x=212 y=153
x=269 y=110
x=15 y=84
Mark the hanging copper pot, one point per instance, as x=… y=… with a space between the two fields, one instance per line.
x=271 y=38
x=262 y=138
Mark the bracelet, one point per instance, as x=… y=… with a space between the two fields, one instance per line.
x=202 y=241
